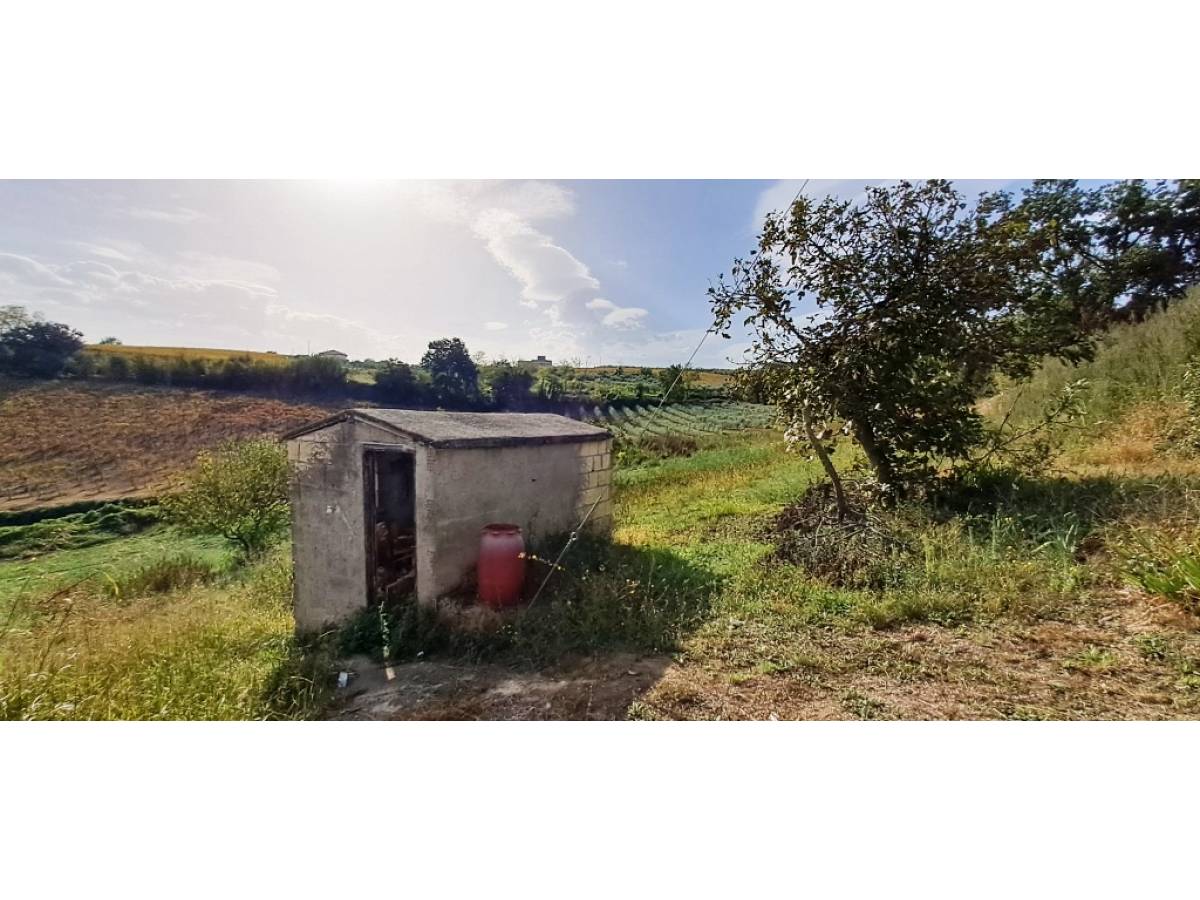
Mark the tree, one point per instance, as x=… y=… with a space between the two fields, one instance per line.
x=674 y=381
x=511 y=385
x=12 y=316
x=238 y=491
x=33 y=348
x=109 y=342
x=396 y=382
x=452 y=372
x=1116 y=252
x=887 y=318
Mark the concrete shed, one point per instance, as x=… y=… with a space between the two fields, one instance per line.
x=387 y=502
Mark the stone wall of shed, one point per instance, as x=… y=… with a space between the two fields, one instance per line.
x=329 y=550
x=544 y=488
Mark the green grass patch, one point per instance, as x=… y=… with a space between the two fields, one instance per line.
x=196 y=651
x=25 y=583
x=74 y=530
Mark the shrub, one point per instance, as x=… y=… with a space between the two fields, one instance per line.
x=511 y=385
x=36 y=349
x=316 y=374
x=238 y=491
x=158 y=576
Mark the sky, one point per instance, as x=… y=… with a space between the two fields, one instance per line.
x=591 y=272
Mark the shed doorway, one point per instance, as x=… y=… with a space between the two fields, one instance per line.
x=391 y=524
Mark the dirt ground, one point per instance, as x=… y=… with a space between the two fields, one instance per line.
x=1043 y=670
x=590 y=689
x=63 y=442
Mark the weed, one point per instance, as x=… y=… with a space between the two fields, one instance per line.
x=74 y=530
x=893 y=610
x=1091 y=658
x=1153 y=647
x=157 y=576
x=862 y=707
x=1165 y=567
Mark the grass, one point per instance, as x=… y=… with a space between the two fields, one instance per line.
x=1007 y=606
x=1062 y=594
x=74 y=530
x=213 y=651
x=23 y=582
x=1136 y=365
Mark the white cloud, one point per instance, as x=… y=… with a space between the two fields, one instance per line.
x=180 y=215
x=618 y=316
x=626 y=317
x=102 y=250
x=23 y=270
x=495 y=326
x=174 y=308
x=551 y=278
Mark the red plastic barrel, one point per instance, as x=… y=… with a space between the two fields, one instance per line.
x=501 y=565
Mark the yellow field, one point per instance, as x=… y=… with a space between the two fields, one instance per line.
x=186 y=352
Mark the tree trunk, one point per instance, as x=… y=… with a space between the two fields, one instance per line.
x=826 y=463
x=881 y=463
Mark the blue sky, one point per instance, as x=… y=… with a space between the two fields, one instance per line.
x=595 y=271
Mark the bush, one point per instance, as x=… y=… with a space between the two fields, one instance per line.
x=35 y=349
x=511 y=385
x=316 y=374
x=396 y=382
x=238 y=491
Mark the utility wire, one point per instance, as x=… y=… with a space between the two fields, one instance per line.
x=574 y=535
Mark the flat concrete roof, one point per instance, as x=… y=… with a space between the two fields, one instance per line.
x=467 y=429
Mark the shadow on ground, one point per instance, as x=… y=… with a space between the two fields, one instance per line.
x=598 y=637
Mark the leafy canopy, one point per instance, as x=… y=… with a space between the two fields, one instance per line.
x=453 y=373
x=889 y=316
x=33 y=348
x=238 y=491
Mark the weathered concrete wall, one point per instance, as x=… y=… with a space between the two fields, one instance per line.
x=329 y=549
x=546 y=489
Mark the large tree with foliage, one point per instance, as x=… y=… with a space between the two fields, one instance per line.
x=886 y=318
x=31 y=347
x=1118 y=251
x=452 y=372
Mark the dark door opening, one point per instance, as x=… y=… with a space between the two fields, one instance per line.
x=391 y=524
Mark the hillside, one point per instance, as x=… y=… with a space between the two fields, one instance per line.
x=1069 y=590
x=65 y=442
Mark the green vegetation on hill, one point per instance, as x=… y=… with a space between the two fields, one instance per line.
x=1134 y=365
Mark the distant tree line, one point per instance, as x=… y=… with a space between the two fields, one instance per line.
x=447 y=376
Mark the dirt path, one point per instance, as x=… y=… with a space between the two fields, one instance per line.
x=595 y=688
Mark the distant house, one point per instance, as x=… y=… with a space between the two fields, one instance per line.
x=540 y=363
x=333 y=354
